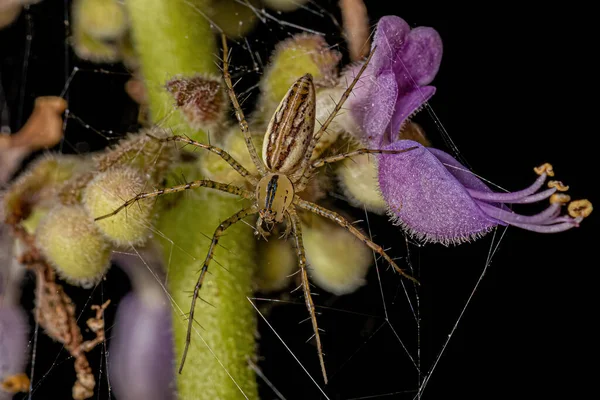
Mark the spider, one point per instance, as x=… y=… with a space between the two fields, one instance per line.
x=285 y=172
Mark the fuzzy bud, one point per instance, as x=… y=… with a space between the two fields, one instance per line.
x=73 y=245
x=277 y=262
x=338 y=261
x=235 y=19
x=101 y=19
x=285 y=5
x=107 y=192
x=292 y=59
x=219 y=170
x=200 y=98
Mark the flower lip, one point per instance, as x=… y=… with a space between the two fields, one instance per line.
x=437 y=199
x=394 y=85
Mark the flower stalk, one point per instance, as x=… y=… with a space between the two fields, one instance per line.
x=171 y=39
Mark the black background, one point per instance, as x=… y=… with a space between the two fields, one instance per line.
x=516 y=88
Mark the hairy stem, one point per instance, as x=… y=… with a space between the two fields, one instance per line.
x=172 y=38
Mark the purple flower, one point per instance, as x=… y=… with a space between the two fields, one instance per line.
x=394 y=84
x=142 y=359
x=13 y=348
x=427 y=191
x=437 y=199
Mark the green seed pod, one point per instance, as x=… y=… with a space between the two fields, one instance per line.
x=72 y=244
x=338 y=261
x=107 y=192
x=276 y=263
x=101 y=19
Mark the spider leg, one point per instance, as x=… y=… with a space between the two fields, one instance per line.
x=344 y=223
x=339 y=157
x=305 y=168
x=215 y=240
x=239 y=114
x=297 y=233
x=179 y=188
x=218 y=151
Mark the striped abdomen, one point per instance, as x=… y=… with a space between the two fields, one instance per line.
x=291 y=128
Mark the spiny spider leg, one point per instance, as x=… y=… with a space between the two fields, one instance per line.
x=305 y=169
x=218 y=151
x=239 y=114
x=329 y=160
x=297 y=232
x=344 y=223
x=179 y=188
x=215 y=240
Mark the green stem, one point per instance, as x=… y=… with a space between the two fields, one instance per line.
x=171 y=38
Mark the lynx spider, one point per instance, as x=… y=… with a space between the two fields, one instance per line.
x=286 y=170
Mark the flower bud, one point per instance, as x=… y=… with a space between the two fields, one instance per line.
x=201 y=99
x=285 y=5
x=292 y=59
x=235 y=19
x=13 y=349
x=104 y=20
x=107 y=192
x=276 y=263
x=338 y=261
x=73 y=245
x=142 y=349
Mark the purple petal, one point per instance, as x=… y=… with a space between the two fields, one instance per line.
x=460 y=172
x=389 y=37
x=372 y=105
x=13 y=341
x=142 y=358
x=427 y=200
x=419 y=60
x=408 y=104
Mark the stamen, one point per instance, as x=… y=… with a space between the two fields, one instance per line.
x=559 y=198
x=545 y=168
x=536 y=197
x=580 y=208
x=548 y=216
x=511 y=197
x=558 y=185
x=565 y=226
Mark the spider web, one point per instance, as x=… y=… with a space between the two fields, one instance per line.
x=486 y=315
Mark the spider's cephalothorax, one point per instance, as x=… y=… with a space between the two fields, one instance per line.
x=274 y=195
x=287 y=168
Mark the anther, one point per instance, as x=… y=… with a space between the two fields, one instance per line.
x=544 y=168
x=580 y=208
x=560 y=198
x=558 y=185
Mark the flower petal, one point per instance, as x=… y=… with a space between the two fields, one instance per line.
x=460 y=172
x=407 y=104
x=427 y=200
x=419 y=60
x=372 y=106
x=142 y=358
x=390 y=36
x=14 y=328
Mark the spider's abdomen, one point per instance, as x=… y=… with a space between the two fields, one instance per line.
x=291 y=128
